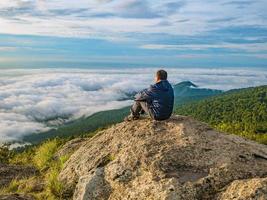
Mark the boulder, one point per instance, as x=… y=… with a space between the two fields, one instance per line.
x=179 y=158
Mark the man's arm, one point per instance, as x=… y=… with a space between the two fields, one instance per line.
x=144 y=95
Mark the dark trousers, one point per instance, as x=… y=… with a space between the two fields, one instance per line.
x=139 y=107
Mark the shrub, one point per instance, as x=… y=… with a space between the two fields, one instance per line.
x=44 y=154
x=12 y=187
x=46 y=185
x=26 y=185
x=4 y=154
x=54 y=186
x=23 y=158
x=52 y=189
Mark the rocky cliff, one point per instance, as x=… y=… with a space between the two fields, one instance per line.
x=179 y=158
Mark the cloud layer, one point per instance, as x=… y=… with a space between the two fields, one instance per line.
x=36 y=100
x=115 y=18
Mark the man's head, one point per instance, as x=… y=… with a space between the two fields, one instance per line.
x=161 y=75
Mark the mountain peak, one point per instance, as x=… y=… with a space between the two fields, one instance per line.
x=185 y=84
x=179 y=158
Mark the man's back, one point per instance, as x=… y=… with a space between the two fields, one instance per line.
x=162 y=100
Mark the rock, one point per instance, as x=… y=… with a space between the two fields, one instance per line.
x=92 y=186
x=179 y=158
x=249 y=189
x=16 y=197
x=70 y=147
x=10 y=172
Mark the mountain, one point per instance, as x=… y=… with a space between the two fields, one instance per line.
x=185 y=92
x=241 y=111
x=184 y=84
x=179 y=158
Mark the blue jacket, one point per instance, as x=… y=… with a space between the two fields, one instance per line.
x=160 y=99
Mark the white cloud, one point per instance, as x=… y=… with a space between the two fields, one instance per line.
x=111 y=19
x=14 y=125
x=245 y=47
x=34 y=100
x=8 y=48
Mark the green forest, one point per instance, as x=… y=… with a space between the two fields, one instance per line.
x=242 y=112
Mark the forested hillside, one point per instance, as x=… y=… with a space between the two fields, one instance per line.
x=242 y=112
x=82 y=126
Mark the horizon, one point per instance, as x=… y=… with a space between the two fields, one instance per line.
x=119 y=33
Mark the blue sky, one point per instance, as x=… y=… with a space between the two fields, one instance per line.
x=180 y=33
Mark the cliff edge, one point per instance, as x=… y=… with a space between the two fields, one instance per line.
x=179 y=158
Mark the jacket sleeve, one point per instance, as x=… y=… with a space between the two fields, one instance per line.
x=145 y=95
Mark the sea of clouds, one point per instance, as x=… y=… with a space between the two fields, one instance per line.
x=34 y=100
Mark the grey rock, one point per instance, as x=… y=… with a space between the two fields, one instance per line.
x=92 y=186
x=179 y=158
x=70 y=147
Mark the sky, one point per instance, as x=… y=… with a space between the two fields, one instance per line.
x=126 y=33
x=35 y=100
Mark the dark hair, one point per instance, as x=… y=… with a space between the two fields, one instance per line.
x=162 y=74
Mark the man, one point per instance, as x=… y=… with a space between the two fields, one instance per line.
x=157 y=101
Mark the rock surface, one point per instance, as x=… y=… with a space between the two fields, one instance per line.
x=16 y=197
x=255 y=188
x=70 y=147
x=11 y=172
x=179 y=158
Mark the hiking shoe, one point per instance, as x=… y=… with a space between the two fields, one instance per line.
x=130 y=118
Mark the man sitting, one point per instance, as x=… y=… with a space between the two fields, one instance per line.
x=157 y=101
